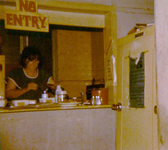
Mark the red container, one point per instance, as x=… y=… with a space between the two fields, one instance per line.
x=102 y=92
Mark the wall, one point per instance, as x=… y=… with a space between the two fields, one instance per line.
x=147 y=4
x=161 y=19
x=136 y=4
x=129 y=12
x=87 y=129
x=74 y=60
x=127 y=20
x=97 y=56
x=10 y=48
x=80 y=58
x=101 y=2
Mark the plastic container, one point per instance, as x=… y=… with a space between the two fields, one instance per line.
x=58 y=89
x=3 y=102
x=44 y=95
x=23 y=102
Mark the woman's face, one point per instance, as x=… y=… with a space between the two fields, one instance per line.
x=33 y=64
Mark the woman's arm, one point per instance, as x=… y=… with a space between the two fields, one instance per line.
x=12 y=92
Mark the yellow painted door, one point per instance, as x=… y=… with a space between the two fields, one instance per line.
x=136 y=127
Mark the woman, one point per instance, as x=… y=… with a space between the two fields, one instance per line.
x=28 y=81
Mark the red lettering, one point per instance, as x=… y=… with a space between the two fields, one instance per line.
x=42 y=21
x=23 y=5
x=17 y=19
x=29 y=6
x=32 y=6
x=26 y=20
x=35 y=22
x=9 y=19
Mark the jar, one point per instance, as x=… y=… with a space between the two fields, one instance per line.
x=62 y=96
x=74 y=99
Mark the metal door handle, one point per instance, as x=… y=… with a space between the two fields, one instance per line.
x=116 y=107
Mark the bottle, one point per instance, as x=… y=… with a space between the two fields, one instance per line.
x=93 y=100
x=98 y=100
x=58 y=89
x=83 y=97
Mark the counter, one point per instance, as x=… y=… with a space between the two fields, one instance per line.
x=49 y=108
x=58 y=128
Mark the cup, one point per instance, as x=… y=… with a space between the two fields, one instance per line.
x=44 y=97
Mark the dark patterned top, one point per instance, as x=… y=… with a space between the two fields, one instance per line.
x=19 y=77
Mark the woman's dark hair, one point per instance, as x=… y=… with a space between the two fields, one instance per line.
x=31 y=53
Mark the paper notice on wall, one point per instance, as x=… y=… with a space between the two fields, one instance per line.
x=111 y=70
x=114 y=69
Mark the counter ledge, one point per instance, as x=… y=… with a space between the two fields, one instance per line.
x=28 y=109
